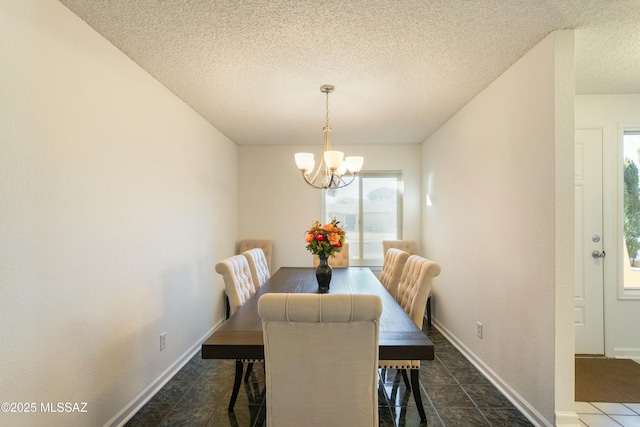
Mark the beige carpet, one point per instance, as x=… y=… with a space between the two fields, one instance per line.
x=607 y=380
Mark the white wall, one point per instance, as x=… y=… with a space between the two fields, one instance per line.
x=499 y=180
x=116 y=198
x=612 y=113
x=275 y=203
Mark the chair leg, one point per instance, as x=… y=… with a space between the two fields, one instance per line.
x=405 y=378
x=429 y=312
x=416 y=393
x=236 y=384
x=394 y=389
x=249 y=367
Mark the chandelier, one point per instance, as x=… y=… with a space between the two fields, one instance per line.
x=334 y=171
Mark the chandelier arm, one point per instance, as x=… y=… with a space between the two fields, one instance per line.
x=344 y=183
x=335 y=182
x=338 y=180
x=311 y=183
x=317 y=170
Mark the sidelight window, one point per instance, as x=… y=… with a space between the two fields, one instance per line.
x=631 y=209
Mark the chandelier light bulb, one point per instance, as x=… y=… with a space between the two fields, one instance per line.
x=333 y=159
x=354 y=163
x=304 y=161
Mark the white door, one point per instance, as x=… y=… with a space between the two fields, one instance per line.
x=589 y=284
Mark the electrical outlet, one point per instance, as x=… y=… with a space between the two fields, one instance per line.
x=479 y=329
x=163 y=341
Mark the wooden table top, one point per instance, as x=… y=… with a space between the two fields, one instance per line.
x=240 y=337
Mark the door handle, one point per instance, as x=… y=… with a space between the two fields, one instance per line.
x=597 y=254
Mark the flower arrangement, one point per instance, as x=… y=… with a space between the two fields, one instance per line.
x=325 y=240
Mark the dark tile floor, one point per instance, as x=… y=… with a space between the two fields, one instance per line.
x=454 y=393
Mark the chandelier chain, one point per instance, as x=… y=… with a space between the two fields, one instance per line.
x=327 y=113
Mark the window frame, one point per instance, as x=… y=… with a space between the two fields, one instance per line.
x=362 y=176
x=624 y=292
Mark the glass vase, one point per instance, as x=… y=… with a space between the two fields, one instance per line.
x=323 y=275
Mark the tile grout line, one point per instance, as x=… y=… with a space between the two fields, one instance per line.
x=394 y=412
x=609 y=416
x=465 y=391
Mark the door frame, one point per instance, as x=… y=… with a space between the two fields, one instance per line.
x=612 y=205
x=612 y=227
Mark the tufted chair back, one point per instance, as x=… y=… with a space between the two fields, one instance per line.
x=404 y=245
x=392 y=267
x=265 y=245
x=258 y=266
x=238 y=281
x=415 y=286
x=340 y=260
x=321 y=353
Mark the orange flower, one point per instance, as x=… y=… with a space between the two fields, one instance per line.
x=308 y=238
x=334 y=239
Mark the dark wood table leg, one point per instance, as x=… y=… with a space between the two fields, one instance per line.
x=248 y=373
x=236 y=384
x=417 y=396
x=405 y=378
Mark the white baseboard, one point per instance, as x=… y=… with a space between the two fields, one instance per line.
x=126 y=413
x=523 y=406
x=626 y=353
x=567 y=419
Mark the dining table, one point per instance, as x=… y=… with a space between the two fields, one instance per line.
x=240 y=336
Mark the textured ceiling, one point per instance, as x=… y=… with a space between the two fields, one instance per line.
x=401 y=68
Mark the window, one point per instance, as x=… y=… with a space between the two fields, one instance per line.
x=370 y=209
x=631 y=209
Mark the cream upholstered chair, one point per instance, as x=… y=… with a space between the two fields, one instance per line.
x=321 y=355
x=415 y=286
x=238 y=280
x=413 y=291
x=408 y=246
x=239 y=286
x=258 y=266
x=340 y=260
x=265 y=245
x=392 y=266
